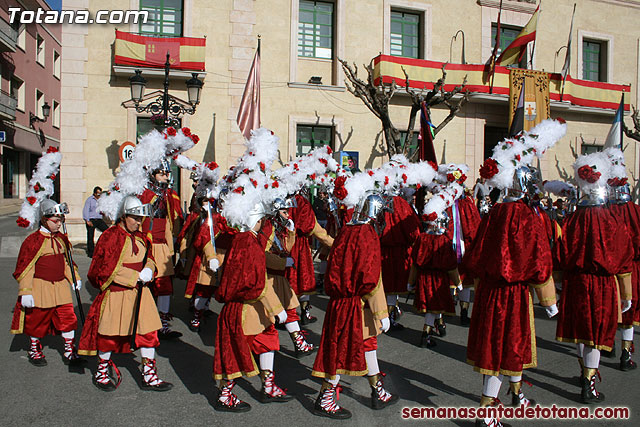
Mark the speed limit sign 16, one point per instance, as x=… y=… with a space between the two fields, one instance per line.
x=126 y=151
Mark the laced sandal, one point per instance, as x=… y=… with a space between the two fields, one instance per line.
x=166 y=333
x=229 y=402
x=517 y=396
x=270 y=391
x=380 y=397
x=302 y=347
x=194 y=324
x=327 y=403
x=36 y=356
x=103 y=378
x=589 y=393
x=150 y=380
x=70 y=356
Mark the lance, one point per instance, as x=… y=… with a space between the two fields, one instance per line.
x=73 y=275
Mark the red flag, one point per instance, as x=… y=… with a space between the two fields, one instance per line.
x=249 y=112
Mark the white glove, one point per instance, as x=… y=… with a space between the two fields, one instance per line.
x=626 y=305
x=27 y=301
x=289 y=262
x=290 y=225
x=146 y=275
x=78 y=285
x=281 y=317
x=459 y=287
x=410 y=287
x=551 y=310
x=385 y=324
x=214 y=264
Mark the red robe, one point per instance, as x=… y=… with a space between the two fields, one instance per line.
x=594 y=248
x=243 y=279
x=433 y=256
x=107 y=258
x=511 y=251
x=302 y=277
x=27 y=256
x=629 y=213
x=401 y=230
x=353 y=271
x=469 y=220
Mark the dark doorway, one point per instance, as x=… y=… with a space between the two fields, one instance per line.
x=493 y=135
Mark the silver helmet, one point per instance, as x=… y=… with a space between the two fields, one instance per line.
x=50 y=207
x=620 y=194
x=370 y=210
x=284 y=203
x=438 y=226
x=157 y=186
x=594 y=197
x=131 y=205
x=525 y=182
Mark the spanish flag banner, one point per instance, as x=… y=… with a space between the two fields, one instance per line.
x=536 y=102
x=186 y=53
x=513 y=53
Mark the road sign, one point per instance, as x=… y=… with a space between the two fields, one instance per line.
x=126 y=151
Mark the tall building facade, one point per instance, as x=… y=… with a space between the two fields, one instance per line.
x=304 y=98
x=30 y=69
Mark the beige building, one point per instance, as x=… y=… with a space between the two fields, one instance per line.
x=302 y=39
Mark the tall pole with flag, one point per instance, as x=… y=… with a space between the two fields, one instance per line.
x=249 y=111
x=567 y=58
x=494 y=54
x=514 y=52
x=517 y=121
x=614 y=138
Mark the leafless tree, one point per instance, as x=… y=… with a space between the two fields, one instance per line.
x=378 y=97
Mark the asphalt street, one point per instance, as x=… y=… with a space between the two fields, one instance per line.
x=54 y=395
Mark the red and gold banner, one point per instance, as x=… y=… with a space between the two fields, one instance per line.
x=186 y=53
x=537 y=105
x=423 y=74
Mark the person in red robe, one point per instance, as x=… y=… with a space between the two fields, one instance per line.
x=434 y=275
x=399 y=235
x=43 y=272
x=509 y=255
x=245 y=323
x=162 y=228
x=596 y=258
x=469 y=216
x=121 y=267
x=302 y=277
x=356 y=312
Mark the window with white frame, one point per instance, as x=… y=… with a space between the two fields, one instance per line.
x=164 y=19
x=56 y=114
x=315 y=29
x=56 y=64
x=40 y=50
x=39 y=104
x=16 y=89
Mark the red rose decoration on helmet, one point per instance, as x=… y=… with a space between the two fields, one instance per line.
x=339 y=191
x=51 y=150
x=239 y=190
x=171 y=131
x=22 y=222
x=312 y=177
x=212 y=165
x=262 y=166
x=31 y=200
x=275 y=184
x=430 y=218
x=195 y=138
x=324 y=162
x=489 y=168
x=370 y=173
x=386 y=180
x=450 y=177
x=404 y=178
x=186 y=131
x=587 y=173
x=254 y=182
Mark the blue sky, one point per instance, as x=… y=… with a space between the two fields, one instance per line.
x=55 y=4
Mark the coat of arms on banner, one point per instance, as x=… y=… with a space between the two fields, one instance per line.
x=530 y=110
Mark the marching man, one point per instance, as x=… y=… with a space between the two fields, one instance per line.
x=121 y=268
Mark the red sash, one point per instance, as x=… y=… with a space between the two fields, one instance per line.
x=158 y=233
x=50 y=268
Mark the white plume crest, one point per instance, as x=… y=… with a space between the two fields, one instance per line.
x=41 y=187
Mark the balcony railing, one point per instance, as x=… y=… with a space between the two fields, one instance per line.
x=8 y=105
x=582 y=95
x=8 y=37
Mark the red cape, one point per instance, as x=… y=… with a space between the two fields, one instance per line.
x=401 y=230
x=353 y=271
x=30 y=249
x=302 y=277
x=243 y=279
x=629 y=214
x=434 y=257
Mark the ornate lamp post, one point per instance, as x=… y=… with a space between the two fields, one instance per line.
x=170 y=107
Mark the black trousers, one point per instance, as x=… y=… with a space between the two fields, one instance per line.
x=100 y=225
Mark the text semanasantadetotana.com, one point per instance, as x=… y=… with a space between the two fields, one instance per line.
x=521 y=412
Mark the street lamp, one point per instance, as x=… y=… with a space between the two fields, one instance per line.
x=169 y=106
x=46 y=111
